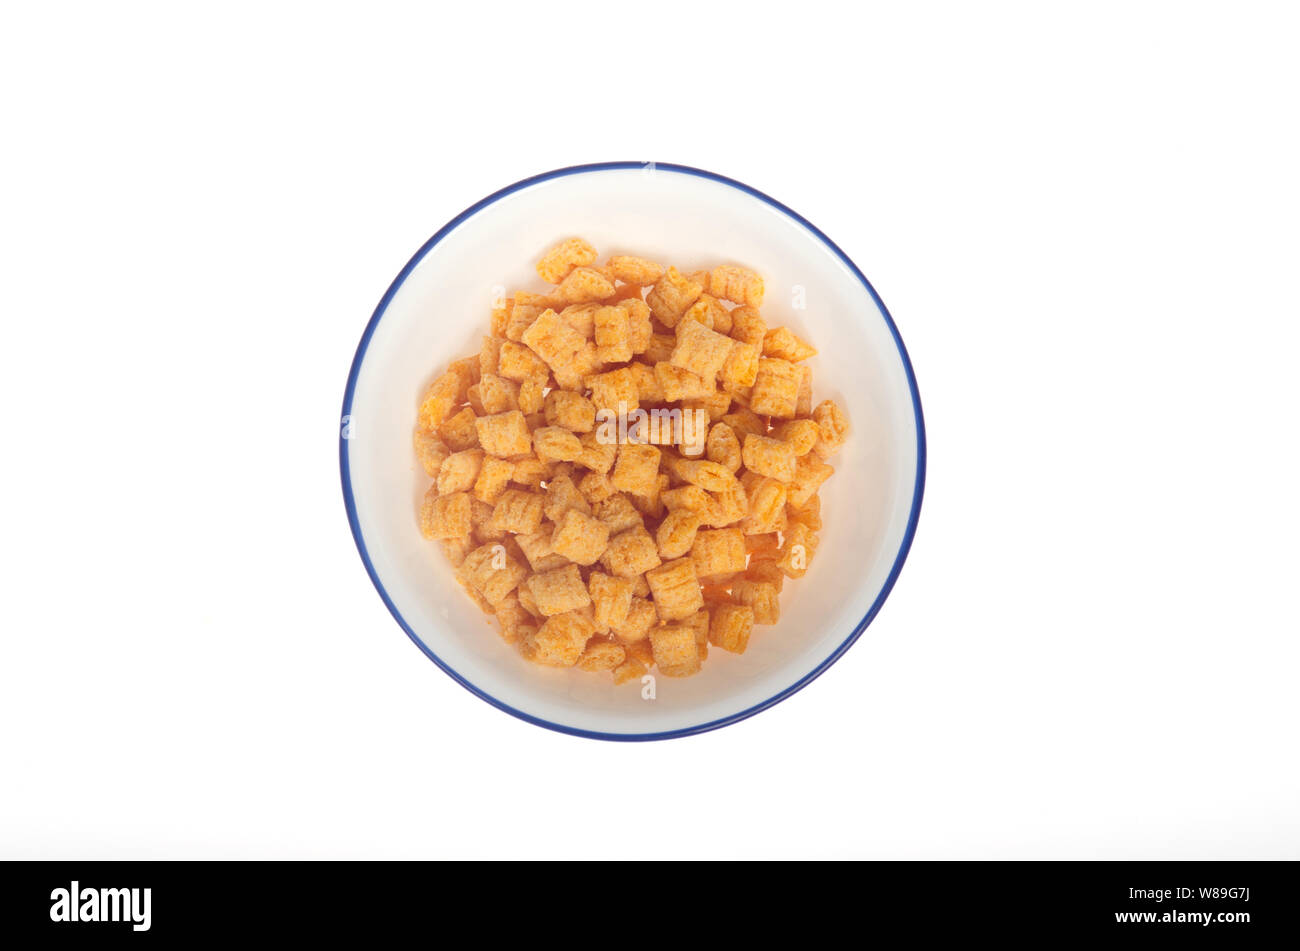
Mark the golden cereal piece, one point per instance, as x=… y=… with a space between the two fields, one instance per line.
x=722 y=447
x=680 y=384
x=730 y=626
x=562 y=494
x=810 y=513
x=489 y=356
x=762 y=596
x=767 y=502
x=611 y=599
x=615 y=391
x=803 y=402
x=782 y=342
x=459 y=471
x=632 y=270
x=445 y=516
x=430 y=451
x=659 y=348
x=776 y=388
x=536 y=549
x=560 y=641
x=671 y=296
x=583 y=284
x=640 y=329
x=552 y=339
x=745 y=422
x=740 y=369
x=517 y=512
x=700 y=350
x=602 y=654
x=555 y=265
x=675 y=650
x=748 y=326
x=554 y=442
x=531 y=393
x=613 y=334
x=629 y=670
x=737 y=284
x=582 y=318
x=504 y=434
x=458 y=431
x=800 y=434
x=809 y=474
x=516 y=362
x=493 y=476
x=636 y=469
x=770 y=457
x=676 y=533
x=718 y=551
x=497 y=394
x=832 y=427
x=596 y=487
x=797 y=551
x=631 y=553
x=648 y=390
x=580 y=538
x=675 y=589
x=558 y=590
x=619 y=514
x=710 y=476
x=596 y=455
x=490 y=571
x=641 y=618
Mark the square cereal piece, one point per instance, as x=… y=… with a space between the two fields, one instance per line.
x=596 y=487
x=517 y=362
x=580 y=538
x=517 y=511
x=555 y=265
x=762 y=596
x=700 y=350
x=769 y=457
x=573 y=375
x=554 y=442
x=562 y=495
x=560 y=641
x=611 y=599
x=445 y=516
x=572 y=411
x=457 y=548
x=531 y=393
x=730 y=626
x=613 y=334
x=748 y=326
x=531 y=472
x=430 y=451
x=681 y=384
x=647 y=383
x=659 y=348
x=481 y=516
x=701 y=312
x=832 y=427
x=782 y=342
x=536 y=548
x=649 y=504
x=728 y=507
x=628 y=671
x=744 y=422
x=676 y=533
x=497 y=394
x=442 y=396
x=552 y=339
x=688 y=498
x=809 y=474
x=810 y=513
x=615 y=391
x=631 y=553
x=737 y=284
x=489 y=357
x=491 y=572
x=582 y=285
x=582 y=318
x=718 y=551
x=637 y=469
x=601 y=654
x=619 y=514
x=671 y=296
x=458 y=431
x=675 y=651
x=800 y=434
x=641 y=618
x=675 y=589
x=723 y=447
x=558 y=590
x=459 y=471
x=504 y=434
x=776 y=388
x=767 y=499
x=598 y=452
x=797 y=550
x=640 y=329
x=632 y=270
x=493 y=477
x=740 y=369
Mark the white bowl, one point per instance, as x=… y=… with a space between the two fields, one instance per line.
x=437 y=310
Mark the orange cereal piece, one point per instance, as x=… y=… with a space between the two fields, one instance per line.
x=558 y=590
x=745 y=422
x=561 y=640
x=585 y=362
x=700 y=350
x=659 y=348
x=615 y=391
x=611 y=599
x=723 y=447
x=803 y=402
x=556 y=263
x=459 y=471
x=730 y=626
x=797 y=551
x=675 y=650
x=640 y=329
x=629 y=670
x=800 y=434
x=504 y=434
x=497 y=394
x=602 y=654
x=584 y=284
x=782 y=342
x=552 y=339
x=458 y=431
x=632 y=270
x=767 y=502
x=430 y=451
x=580 y=538
x=517 y=512
x=832 y=427
x=776 y=388
x=810 y=513
x=572 y=411
x=598 y=456
x=809 y=474
x=641 y=618
x=737 y=284
x=636 y=469
x=762 y=596
x=613 y=333
x=675 y=589
x=561 y=495
x=516 y=362
x=769 y=457
x=648 y=389
x=493 y=476
x=748 y=326
x=596 y=487
x=718 y=551
x=554 y=442
x=445 y=516
x=619 y=514
x=671 y=296
x=536 y=548
x=676 y=533
x=740 y=369
x=490 y=571
x=631 y=553
x=680 y=384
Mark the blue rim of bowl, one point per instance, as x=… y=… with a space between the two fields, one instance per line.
x=917 y=492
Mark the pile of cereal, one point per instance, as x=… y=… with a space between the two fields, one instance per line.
x=625 y=476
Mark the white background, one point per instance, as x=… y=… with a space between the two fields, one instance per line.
x=1083 y=218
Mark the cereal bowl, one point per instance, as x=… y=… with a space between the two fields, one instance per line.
x=436 y=311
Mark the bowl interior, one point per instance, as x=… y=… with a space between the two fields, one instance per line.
x=439 y=312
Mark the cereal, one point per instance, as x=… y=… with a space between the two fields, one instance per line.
x=627 y=471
